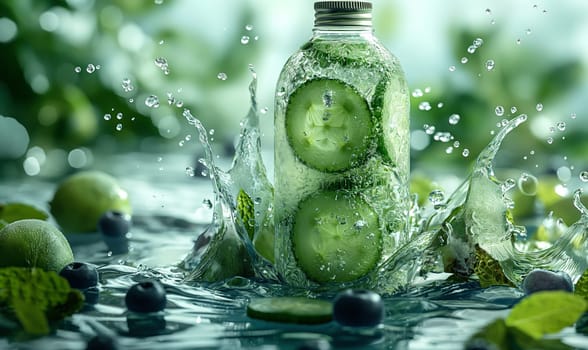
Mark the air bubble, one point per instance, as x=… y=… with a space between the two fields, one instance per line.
x=119 y=115
x=249 y=27
x=417 y=93
x=584 y=176
x=425 y=106
x=222 y=76
x=464 y=60
x=443 y=136
x=478 y=42
x=465 y=152
x=472 y=49
x=127 y=85
x=119 y=127
x=452 y=68
x=162 y=64
x=437 y=197
x=513 y=109
x=77 y=69
x=573 y=115
x=539 y=107
x=429 y=129
x=245 y=39
x=107 y=116
x=550 y=140
x=528 y=31
x=561 y=126
x=90 y=68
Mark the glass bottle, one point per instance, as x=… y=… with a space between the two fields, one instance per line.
x=341 y=151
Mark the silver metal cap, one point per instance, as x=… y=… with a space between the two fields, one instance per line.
x=356 y=14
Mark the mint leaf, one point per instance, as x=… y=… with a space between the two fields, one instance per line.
x=11 y=212
x=245 y=209
x=581 y=287
x=494 y=334
x=546 y=312
x=36 y=298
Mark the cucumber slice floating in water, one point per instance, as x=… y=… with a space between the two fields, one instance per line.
x=336 y=237
x=329 y=125
x=291 y=310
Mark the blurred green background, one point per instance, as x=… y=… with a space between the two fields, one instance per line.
x=76 y=76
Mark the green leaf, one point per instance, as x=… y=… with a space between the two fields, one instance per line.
x=245 y=209
x=36 y=298
x=495 y=333
x=11 y=212
x=581 y=287
x=546 y=312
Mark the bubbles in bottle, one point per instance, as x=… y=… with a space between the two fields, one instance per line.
x=119 y=127
x=490 y=64
x=77 y=69
x=452 y=68
x=464 y=60
x=550 y=140
x=222 y=76
x=465 y=152
x=539 y=107
x=508 y=184
x=152 y=101
x=245 y=39
x=417 y=93
x=454 y=119
x=190 y=171
x=584 y=176
x=561 y=126
x=119 y=115
x=107 y=116
x=429 y=129
x=443 y=136
x=90 y=68
x=513 y=109
x=499 y=111
x=527 y=184
x=249 y=27
x=425 y=106
x=573 y=115
x=528 y=31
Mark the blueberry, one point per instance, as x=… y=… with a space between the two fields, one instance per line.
x=102 y=342
x=358 y=308
x=146 y=296
x=114 y=223
x=80 y=275
x=539 y=280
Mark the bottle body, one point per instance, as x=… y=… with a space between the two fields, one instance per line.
x=341 y=149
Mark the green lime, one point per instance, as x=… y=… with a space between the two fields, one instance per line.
x=82 y=198
x=336 y=237
x=291 y=310
x=34 y=243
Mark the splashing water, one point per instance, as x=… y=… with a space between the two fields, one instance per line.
x=226 y=248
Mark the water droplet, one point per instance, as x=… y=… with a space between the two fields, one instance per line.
x=490 y=65
x=429 y=129
x=127 y=85
x=561 y=126
x=478 y=42
x=508 y=184
x=245 y=39
x=584 y=176
x=539 y=107
x=499 y=110
x=90 y=68
x=417 y=93
x=527 y=184
x=564 y=174
x=162 y=64
x=425 y=106
x=222 y=76
x=152 y=101
x=119 y=127
x=107 y=116
x=77 y=69
x=436 y=197
x=452 y=68
x=248 y=27
x=454 y=119
x=119 y=115
x=513 y=109
x=464 y=60
x=465 y=152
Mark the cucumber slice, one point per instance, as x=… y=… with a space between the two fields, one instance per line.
x=336 y=237
x=291 y=310
x=329 y=125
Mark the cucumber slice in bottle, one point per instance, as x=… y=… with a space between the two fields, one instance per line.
x=329 y=125
x=336 y=237
x=291 y=310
